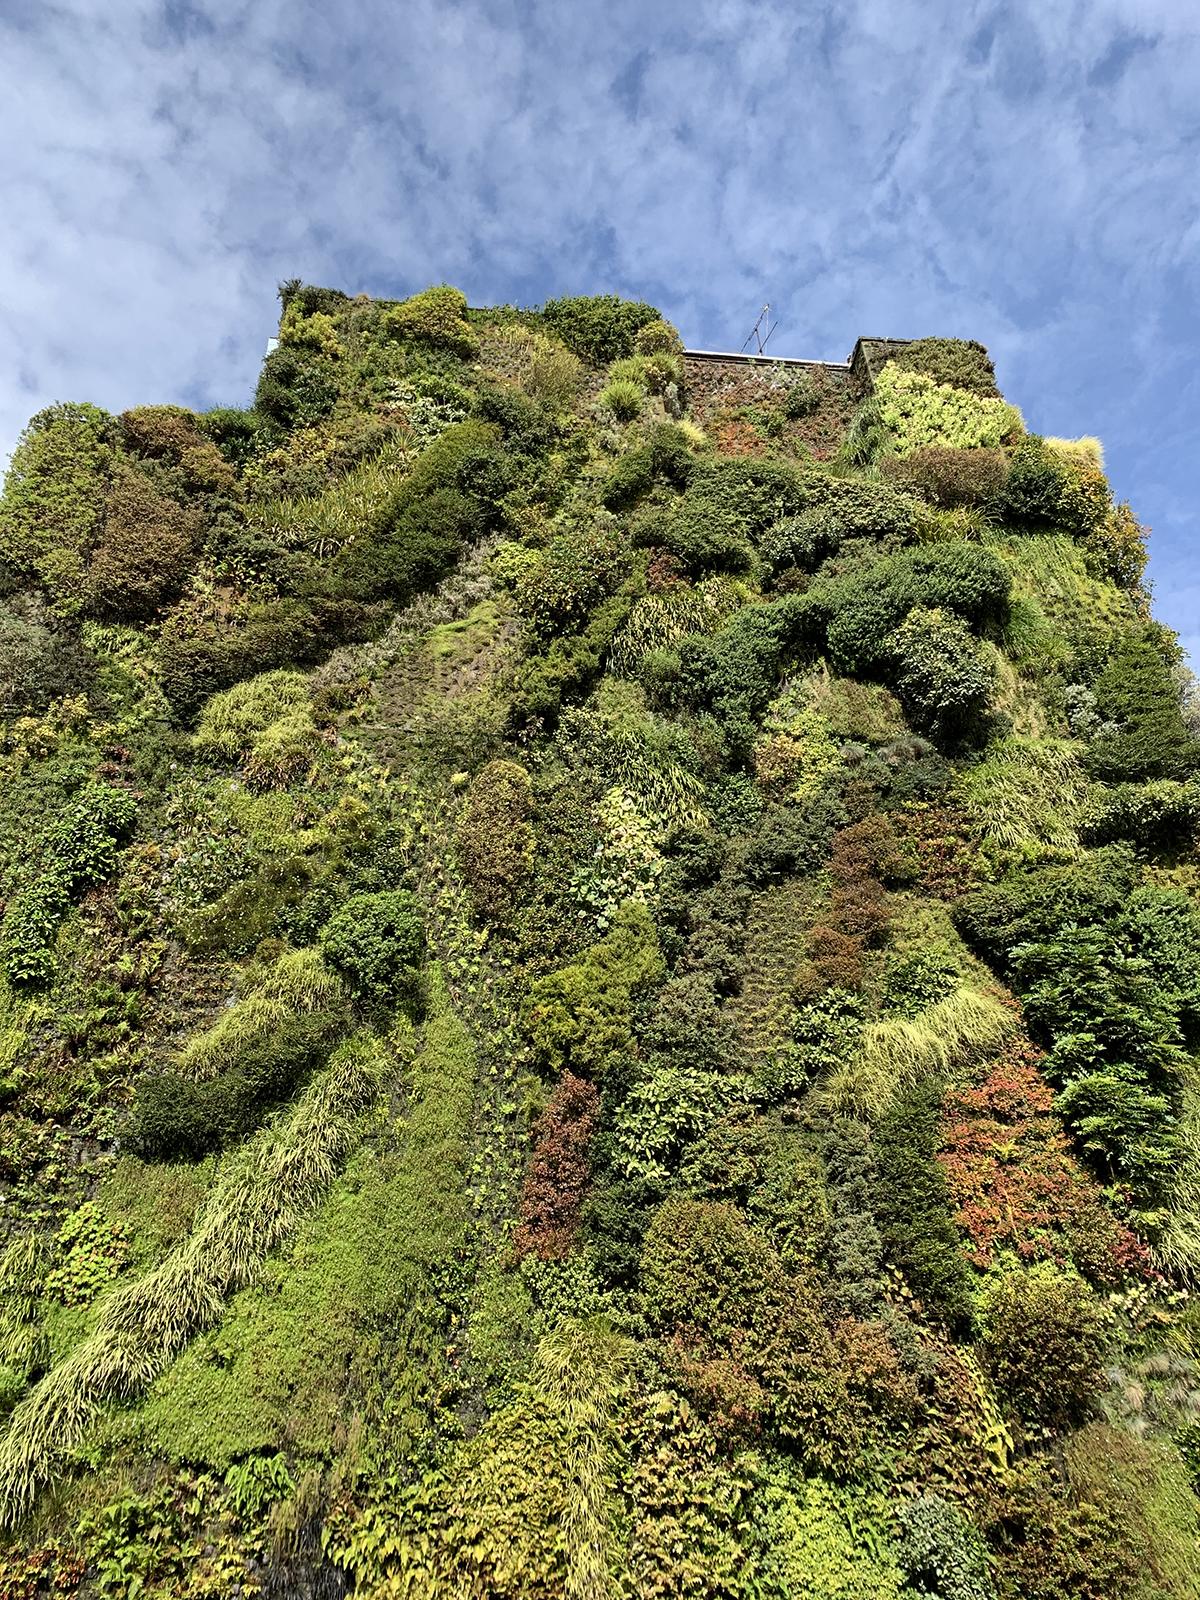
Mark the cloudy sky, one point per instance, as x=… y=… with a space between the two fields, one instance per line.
x=1020 y=173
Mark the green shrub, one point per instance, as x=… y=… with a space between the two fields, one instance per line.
x=144 y=552
x=575 y=571
x=948 y=477
x=1161 y=815
x=267 y=723
x=665 y=457
x=599 y=328
x=436 y=316
x=942 y=677
x=423 y=519
x=657 y=338
x=176 y=1117
x=309 y=298
x=623 y=397
x=201 y=652
x=296 y=388
x=726 y=510
x=939 y=1552
x=580 y=1016
x=1044 y=1341
x=912 y=1204
x=961 y=363
x=42 y=657
x=915 y=410
x=864 y=609
x=79 y=849
x=1137 y=692
x=703 y=1267
x=54 y=493
x=377 y=943
x=238 y=435
x=495 y=839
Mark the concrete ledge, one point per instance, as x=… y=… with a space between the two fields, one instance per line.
x=738 y=358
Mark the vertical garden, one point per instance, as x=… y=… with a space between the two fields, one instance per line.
x=599 y=984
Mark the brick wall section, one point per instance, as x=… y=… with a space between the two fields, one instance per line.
x=719 y=386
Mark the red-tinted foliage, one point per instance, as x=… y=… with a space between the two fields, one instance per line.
x=558 y=1171
x=1014 y=1182
x=940 y=838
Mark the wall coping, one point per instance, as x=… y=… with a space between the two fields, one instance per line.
x=755 y=360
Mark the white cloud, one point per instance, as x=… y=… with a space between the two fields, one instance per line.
x=1020 y=173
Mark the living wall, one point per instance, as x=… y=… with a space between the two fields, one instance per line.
x=599 y=988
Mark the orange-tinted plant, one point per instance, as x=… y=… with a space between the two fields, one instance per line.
x=1015 y=1184
x=559 y=1170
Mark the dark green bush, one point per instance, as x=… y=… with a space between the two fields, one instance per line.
x=41 y=656
x=940 y=675
x=1109 y=975
x=735 y=672
x=1162 y=815
x=377 y=943
x=238 y=435
x=179 y=1118
x=837 y=511
x=665 y=457
x=863 y=610
x=1044 y=1341
x=962 y=363
x=727 y=508
x=1137 y=691
x=296 y=388
x=79 y=849
x=940 y=1553
x=450 y=496
x=912 y=1204
x=309 y=299
x=599 y=328
x=200 y=652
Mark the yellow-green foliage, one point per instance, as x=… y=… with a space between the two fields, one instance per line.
x=916 y=411
x=1051 y=570
x=897 y=1053
x=298 y=983
x=314 y=332
x=265 y=1191
x=797 y=754
x=527 y=1508
x=1028 y=796
x=825 y=1541
x=322 y=523
x=580 y=1016
x=54 y=493
x=1085 y=452
x=267 y=723
x=623 y=397
x=436 y=316
x=657 y=621
x=1146 y=1486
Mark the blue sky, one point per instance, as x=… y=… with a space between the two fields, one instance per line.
x=1020 y=173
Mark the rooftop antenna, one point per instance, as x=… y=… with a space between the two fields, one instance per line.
x=756 y=332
